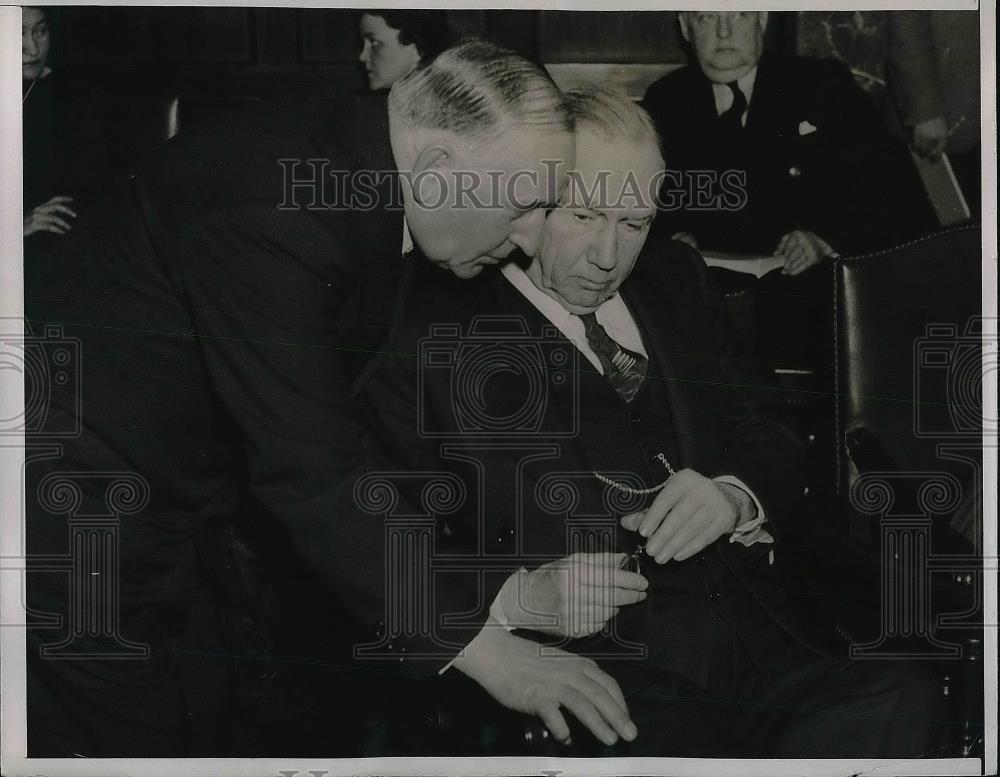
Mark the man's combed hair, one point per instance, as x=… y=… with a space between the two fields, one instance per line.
x=614 y=115
x=479 y=89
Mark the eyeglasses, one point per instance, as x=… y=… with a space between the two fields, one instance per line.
x=632 y=562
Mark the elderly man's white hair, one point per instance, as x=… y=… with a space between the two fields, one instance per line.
x=614 y=116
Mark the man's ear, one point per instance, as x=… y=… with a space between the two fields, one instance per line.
x=762 y=17
x=429 y=182
x=433 y=156
x=683 y=21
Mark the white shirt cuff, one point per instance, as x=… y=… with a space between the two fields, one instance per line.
x=750 y=532
x=497 y=613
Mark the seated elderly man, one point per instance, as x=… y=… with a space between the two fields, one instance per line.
x=782 y=155
x=620 y=505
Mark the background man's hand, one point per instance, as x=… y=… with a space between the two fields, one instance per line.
x=801 y=250
x=515 y=673
x=48 y=217
x=688 y=515
x=573 y=596
x=930 y=138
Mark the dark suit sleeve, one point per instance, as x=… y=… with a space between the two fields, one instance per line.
x=266 y=289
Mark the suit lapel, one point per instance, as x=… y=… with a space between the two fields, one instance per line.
x=768 y=104
x=663 y=338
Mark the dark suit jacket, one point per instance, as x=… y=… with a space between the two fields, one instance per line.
x=846 y=180
x=219 y=328
x=476 y=382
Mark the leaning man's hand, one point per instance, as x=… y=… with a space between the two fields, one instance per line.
x=515 y=673
x=573 y=596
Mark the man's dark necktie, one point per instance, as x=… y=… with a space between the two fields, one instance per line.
x=624 y=369
x=732 y=118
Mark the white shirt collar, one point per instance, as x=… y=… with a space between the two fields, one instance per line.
x=407 y=239
x=613 y=315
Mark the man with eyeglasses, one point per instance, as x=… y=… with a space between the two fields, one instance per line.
x=777 y=155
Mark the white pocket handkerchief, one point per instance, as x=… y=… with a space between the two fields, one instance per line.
x=805 y=128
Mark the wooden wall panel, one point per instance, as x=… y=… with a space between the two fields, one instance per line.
x=188 y=36
x=328 y=36
x=609 y=36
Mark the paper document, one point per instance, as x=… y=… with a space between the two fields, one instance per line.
x=751 y=264
x=943 y=190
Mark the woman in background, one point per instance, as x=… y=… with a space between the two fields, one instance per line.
x=65 y=148
x=395 y=43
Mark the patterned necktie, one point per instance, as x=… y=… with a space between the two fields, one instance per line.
x=624 y=369
x=732 y=118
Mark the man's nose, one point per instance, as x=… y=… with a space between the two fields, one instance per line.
x=28 y=46
x=526 y=229
x=724 y=28
x=365 y=53
x=604 y=249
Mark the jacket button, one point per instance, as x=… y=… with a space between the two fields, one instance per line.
x=636 y=420
x=715 y=596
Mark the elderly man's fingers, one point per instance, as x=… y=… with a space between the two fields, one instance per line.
x=632 y=521
x=672 y=493
x=673 y=524
x=59 y=198
x=696 y=545
x=699 y=524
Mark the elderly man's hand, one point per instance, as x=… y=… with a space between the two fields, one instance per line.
x=516 y=673
x=801 y=250
x=688 y=515
x=573 y=596
x=48 y=217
